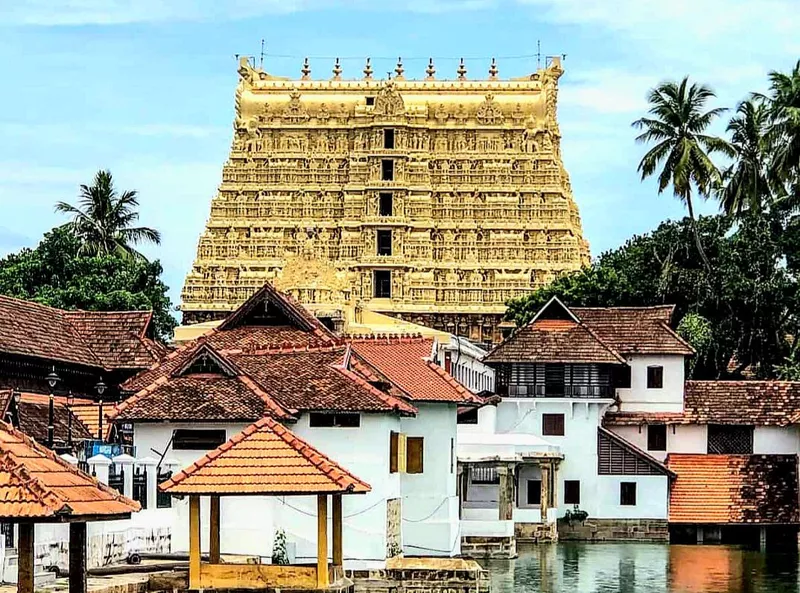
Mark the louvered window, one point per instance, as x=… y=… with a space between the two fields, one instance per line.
x=730 y=439
x=485 y=475
x=614 y=459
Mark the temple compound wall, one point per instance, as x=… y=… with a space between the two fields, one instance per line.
x=432 y=200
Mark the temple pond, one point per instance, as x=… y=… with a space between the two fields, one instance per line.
x=644 y=568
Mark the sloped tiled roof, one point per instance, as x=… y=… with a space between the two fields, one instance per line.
x=760 y=403
x=554 y=340
x=34 y=413
x=714 y=489
x=405 y=361
x=106 y=340
x=635 y=330
x=36 y=483
x=265 y=458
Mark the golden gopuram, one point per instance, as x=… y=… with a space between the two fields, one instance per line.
x=430 y=200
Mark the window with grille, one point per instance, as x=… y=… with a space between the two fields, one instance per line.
x=657 y=437
x=485 y=475
x=341 y=420
x=553 y=425
x=415 y=451
x=534 y=492
x=572 y=492
x=730 y=439
x=385 y=205
x=163 y=499
x=627 y=493
x=382 y=284
x=384 y=239
x=655 y=377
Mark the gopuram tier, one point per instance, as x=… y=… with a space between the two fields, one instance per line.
x=430 y=200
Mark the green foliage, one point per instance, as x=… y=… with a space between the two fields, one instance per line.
x=55 y=273
x=279 y=554
x=696 y=330
x=576 y=515
x=749 y=298
x=103 y=220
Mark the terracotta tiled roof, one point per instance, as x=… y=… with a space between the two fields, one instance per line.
x=405 y=361
x=106 y=340
x=36 y=483
x=34 y=414
x=762 y=403
x=315 y=379
x=88 y=412
x=265 y=458
x=715 y=489
x=554 y=340
x=635 y=330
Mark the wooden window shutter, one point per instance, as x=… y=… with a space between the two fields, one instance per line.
x=415 y=446
x=402 y=453
x=397 y=452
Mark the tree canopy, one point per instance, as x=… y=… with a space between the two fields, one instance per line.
x=57 y=274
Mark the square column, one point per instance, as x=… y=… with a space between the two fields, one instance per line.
x=25 y=561
x=322 y=541
x=546 y=477
x=213 y=546
x=194 y=542
x=506 y=492
x=338 y=556
x=77 y=558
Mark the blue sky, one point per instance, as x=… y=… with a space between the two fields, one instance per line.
x=145 y=88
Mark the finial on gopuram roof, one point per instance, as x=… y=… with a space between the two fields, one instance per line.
x=430 y=70
x=399 y=68
x=461 y=70
x=337 y=70
x=305 y=70
x=368 y=70
x=493 y=70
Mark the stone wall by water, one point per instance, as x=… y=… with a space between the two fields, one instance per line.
x=642 y=530
x=420 y=581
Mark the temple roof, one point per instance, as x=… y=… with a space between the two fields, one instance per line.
x=714 y=489
x=107 y=340
x=265 y=458
x=760 y=403
x=36 y=483
x=406 y=362
x=602 y=335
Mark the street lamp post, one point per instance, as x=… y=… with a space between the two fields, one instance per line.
x=101 y=388
x=70 y=402
x=52 y=381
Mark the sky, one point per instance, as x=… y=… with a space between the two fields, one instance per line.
x=146 y=89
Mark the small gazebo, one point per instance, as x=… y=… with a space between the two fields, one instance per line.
x=265 y=459
x=38 y=486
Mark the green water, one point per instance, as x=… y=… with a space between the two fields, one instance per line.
x=644 y=568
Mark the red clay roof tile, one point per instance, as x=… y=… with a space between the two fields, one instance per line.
x=265 y=458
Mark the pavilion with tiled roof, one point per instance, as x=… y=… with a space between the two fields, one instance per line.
x=265 y=459
x=37 y=486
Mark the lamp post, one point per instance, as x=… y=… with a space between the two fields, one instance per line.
x=70 y=402
x=100 y=388
x=52 y=381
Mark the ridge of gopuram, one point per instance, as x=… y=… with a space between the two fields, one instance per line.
x=431 y=200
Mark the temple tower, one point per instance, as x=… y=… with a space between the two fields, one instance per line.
x=432 y=200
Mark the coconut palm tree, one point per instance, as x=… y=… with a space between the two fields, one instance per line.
x=103 y=218
x=746 y=183
x=784 y=133
x=677 y=123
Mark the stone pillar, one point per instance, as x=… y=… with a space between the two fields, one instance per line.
x=25 y=558
x=545 y=504
x=69 y=458
x=77 y=558
x=506 y=494
x=700 y=534
x=151 y=471
x=99 y=465
x=125 y=464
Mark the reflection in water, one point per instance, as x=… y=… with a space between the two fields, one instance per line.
x=644 y=568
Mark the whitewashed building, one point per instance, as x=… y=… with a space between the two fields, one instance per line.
x=380 y=406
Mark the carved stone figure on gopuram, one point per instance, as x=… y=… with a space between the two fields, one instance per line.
x=432 y=200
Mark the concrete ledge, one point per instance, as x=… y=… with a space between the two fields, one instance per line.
x=536 y=533
x=610 y=530
x=489 y=547
x=423 y=575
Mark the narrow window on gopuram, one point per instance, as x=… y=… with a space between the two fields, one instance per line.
x=387 y=170
x=385 y=205
x=384 y=239
x=382 y=284
x=388 y=138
